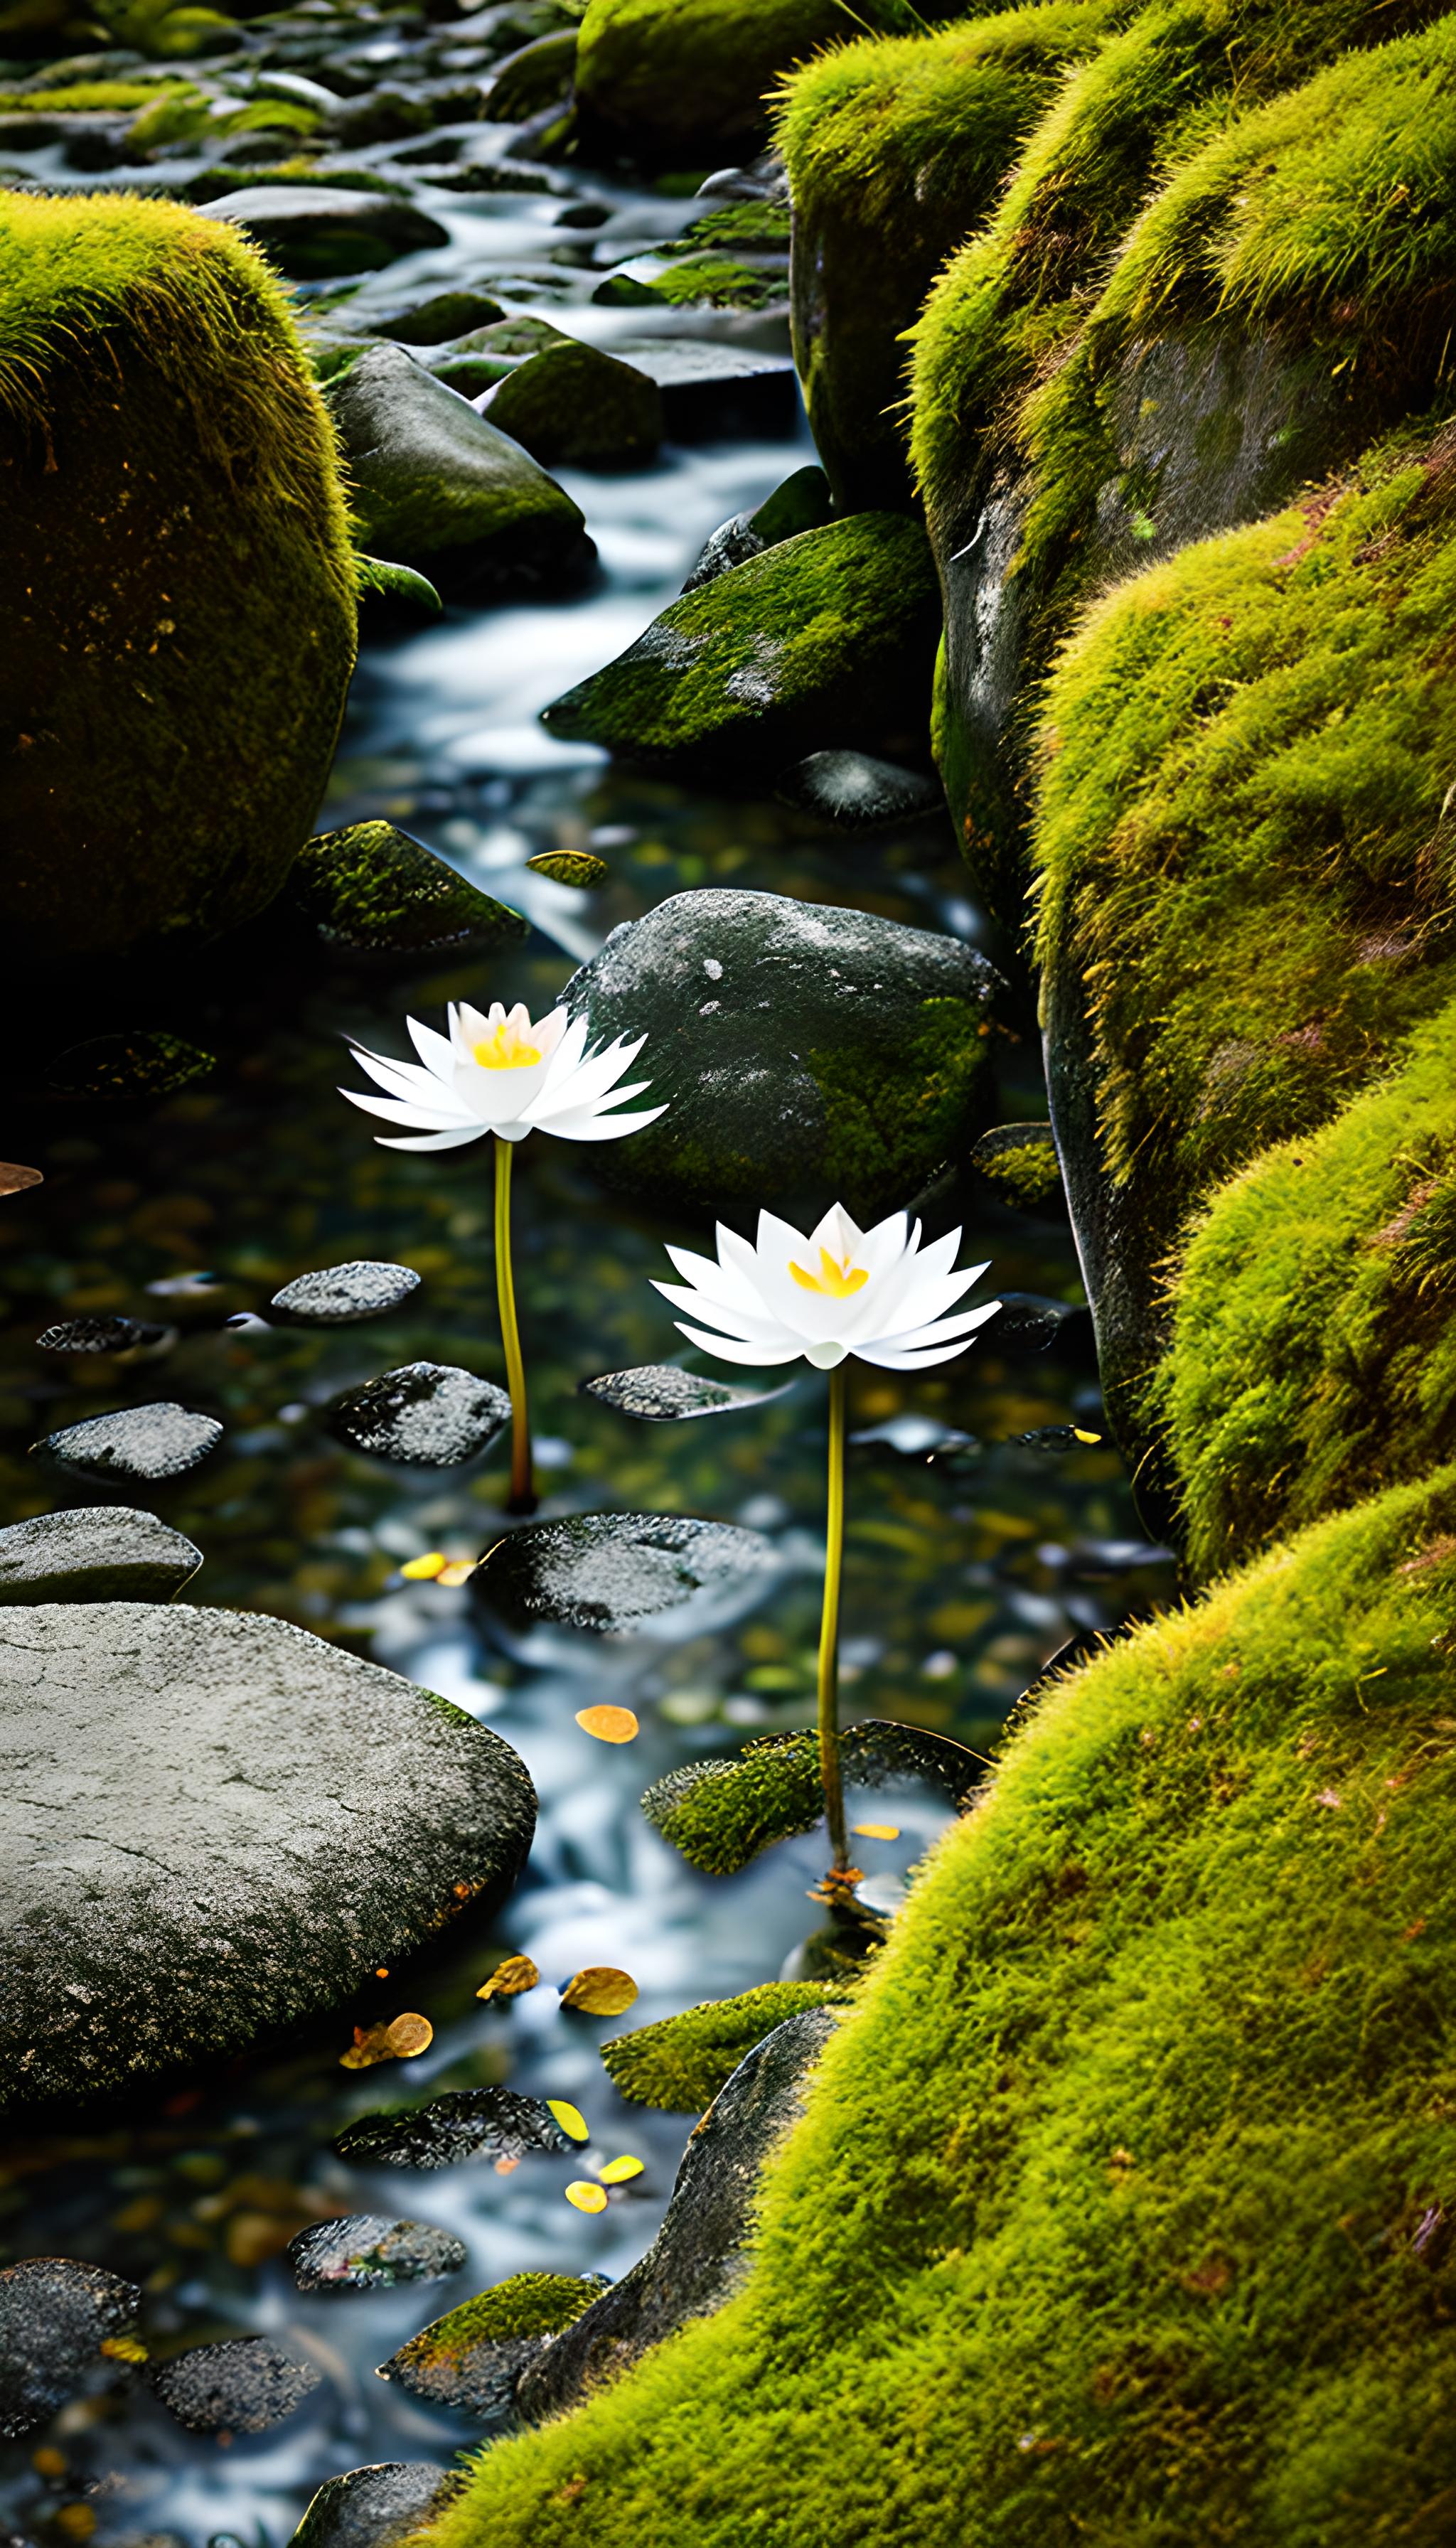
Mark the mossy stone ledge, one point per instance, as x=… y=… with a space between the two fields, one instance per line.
x=683 y=83
x=374 y=893
x=178 y=621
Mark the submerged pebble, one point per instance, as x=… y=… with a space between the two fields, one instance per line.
x=366 y=2251
x=463 y=2123
x=163 y=1440
x=64 y=2331
x=660 y=1394
x=606 y=1571
x=102 y=1335
x=338 y=1294
x=241 y=2386
x=425 y=1414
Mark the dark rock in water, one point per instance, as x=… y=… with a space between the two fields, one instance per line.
x=470 y=2360
x=103 y=1553
x=1021 y=1161
x=1028 y=1322
x=314 y=232
x=712 y=393
x=98 y=1335
x=443 y=315
x=606 y=1571
x=827 y=638
x=698 y=2259
x=371 y=891
x=339 y=1294
x=477 y=361
x=466 y=2123
x=439 y=487
x=808 y=1054
x=536 y=76
x=858 y=792
x=366 y=2252
x=380 y=115
x=56 y=2319
x=237 y=1824
x=661 y=1393
x=241 y=2386
x=801 y=504
x=164 y=1440
x=426 y=1415
x=130 y=1066
x=379 y=2507
x=573 y=406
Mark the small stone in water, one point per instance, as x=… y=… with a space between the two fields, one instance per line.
x=586 y=2195
x=375 y=2507
x=338 y=1294
x=858 y=792
x=163 y=1440
x=454 y=2126
x=1055 y=1437
x=14 y=1179
x=99 y=1553
x=241 y=2386
x=599 y=1990
x=102 y=1335
x=398 y=2040
x=578 y=867
x=1029 y=1321
x=470 y=2359
x=660 y=1393
x=509 y=1980
x=606 y=1571
x=62 y=2330
x=608 y=1724
x=366 y=2252
x=426 y=1414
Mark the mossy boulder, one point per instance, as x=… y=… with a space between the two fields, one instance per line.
x=314 y=232
x=1119 y=2205
x=807 y=1053
x=574 y=406
x=535 y=75
x=470 y=2360
x=683 y=2062
x=801 y=504
x=375 y=2507
x=178 y=624
x=683 y=83
x=371 y=891
x=444 y=315
x=826 y=638
x=442 y=491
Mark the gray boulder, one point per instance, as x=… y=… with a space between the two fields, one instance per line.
x=808 y=1054
x=101 y=1553
x=376 y=2507
x=218 y=1826
x=442 y=491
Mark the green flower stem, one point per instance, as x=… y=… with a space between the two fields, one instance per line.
x=830 y=1771
x=522 y=1496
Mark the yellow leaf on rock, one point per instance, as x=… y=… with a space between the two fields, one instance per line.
x=572 y=2123
x=618 y=2171
x=877 y=1830
x=124 y=2348
x=459 y=1571
x=1085 y=1438
x=586 y=2196
x=608 y=1725
x=397 y=2041
x=424 y=1570
x=599 y=1990
x=516 y=1975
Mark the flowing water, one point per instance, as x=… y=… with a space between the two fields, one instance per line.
x=967 y=1568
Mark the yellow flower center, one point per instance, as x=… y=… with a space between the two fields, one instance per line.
x=505 y=1050
x=836 y=1281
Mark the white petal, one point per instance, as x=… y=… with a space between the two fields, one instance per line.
x=587 y=1125
x=742 y=1324
x=935 y=1331
x=401 y=1110
x=435 y=1051
x=717 y=1281
x=790 y=1351
x=404 y=1079
x=433 y=1141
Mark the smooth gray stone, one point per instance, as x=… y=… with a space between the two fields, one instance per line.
x=101 y=1553
x=425 y=1416
x=320 y=230
x=336 y=1295
x=163 y=1440
x=219 y=1827
x=55 y=2317
x=375 y=2507
x=367 y=2251
x=243 y=2386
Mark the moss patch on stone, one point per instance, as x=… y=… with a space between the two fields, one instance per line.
x=680 y=2064
x=370 y=890
x=685 y=82
x=1120 y=2207
x=524 y=2304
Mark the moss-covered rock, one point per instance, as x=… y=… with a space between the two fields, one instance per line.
x=683 y=2062
x=827 y=638
x=574 y=406
x=1020 y=1163
x=370 y=890
x=1120 y=2206
x=536 y=75
x=800 y=504
x=886 y=1075
x=896 y=150
x=685 y=82
x=313 y=231
x=439 y=489
x=178 y=630
x=471 y=2359
x=443 y=315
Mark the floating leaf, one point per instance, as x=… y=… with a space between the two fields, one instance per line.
x=494 y=2120
x=606 y=1571
x=619 y=2171
x=424 y=1570
x=425 y=1416
x=14 y=1179
x=571 y=2121
x=585 y=2195
x=599 y=1990
x=578 y=867
x=608 y=1724
x=509 y=1980
x=338 y=1295
x=398 y=2040
x=469 y=2359
x=1054 y=1439
x=721 y=1813
x=366 y=2252
x=661 y=1393
x=876 y=1831
x=680 y=2064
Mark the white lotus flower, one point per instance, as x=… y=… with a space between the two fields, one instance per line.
x=875 y=1293
x=500 y=1073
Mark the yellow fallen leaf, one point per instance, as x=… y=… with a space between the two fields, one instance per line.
x=424 y=1570
x=459 y=1571
x=506 y=2166
x=618 y=2171
x=1085 y=1438
x=877 y=1830
x=608 y=1725
x=124 y=2348
x=586 y=2196
x=572 y=2123
x=397 y=2040
x=409 y=2034
x=599 y=1990
x=516 y=1975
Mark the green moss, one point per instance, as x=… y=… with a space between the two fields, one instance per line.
x=685 y=81
x=525 y=2304
x=880 y=1148
x=370 y=890
x=1120 y=2210
x=721 y=1813
x=682 y=2062
x=180 y=629
x=1314 y=1351
x=720 y=282
x=93 y=97
x=1019 y=1160
x=742 y=225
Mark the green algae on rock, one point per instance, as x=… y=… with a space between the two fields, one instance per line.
x=370 y=890
x=1021 y=1161
x=800 y=504
x=442 y=316
x=886 y=1074
x=825 y=638
x=683 y=81
x=1140 y=2121
x=174 y=473
x=573 y=406
x=375 y=2507
x=721 y=1813
x=680 y=2064
x=471 y=2359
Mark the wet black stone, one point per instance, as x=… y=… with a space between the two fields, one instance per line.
x=606 y=1571
x=662 y=1394
x=316 y=231
x=698 y=2259
x=101 y=1553
x=101 y=1335
x=163 y=1440
x=338 y=1295
x=371 y=891
x=465 y=2123
x=1028 y=1322
x=443 y=315
x=858 y=792
x=376 y=2507
x=712 y=393
x=425 y=1416
x=801 y=504
x=215 y=1827
x=571 y=406
x=130 y=1066
x=55 y=2317
x=366 y=2251
x=241 y=2386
